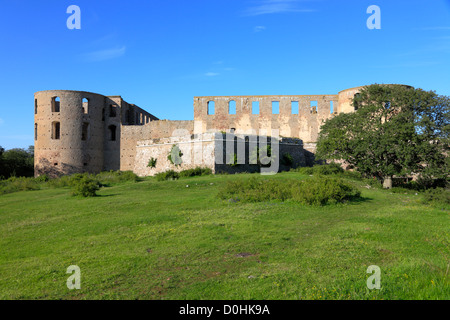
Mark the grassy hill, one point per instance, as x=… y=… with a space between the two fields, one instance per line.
x=178 y=240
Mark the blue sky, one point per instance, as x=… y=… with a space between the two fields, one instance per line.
x=159 y=54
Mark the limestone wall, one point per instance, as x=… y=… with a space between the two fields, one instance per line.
x=303 y=124
x=214 y=151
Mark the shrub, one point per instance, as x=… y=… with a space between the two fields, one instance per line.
x=322 y=190
x=287 y=159
x=116 y=176
x=15 y=184
x=152 y=162
x=195 y=172
x=437 y=196
x=315 y=191
x=42 y=178
x=304 y=170
x=325 y=169
x=167 y=175
x=85 y=187
x=328 y=169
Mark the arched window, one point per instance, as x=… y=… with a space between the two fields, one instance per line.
x=56 y=104
x=103 y=114
x=85 y=104
x=35 y=106
x=35 y=131
x=112 y=132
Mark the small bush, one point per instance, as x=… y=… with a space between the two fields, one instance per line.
x=320 y=191
x=85 y=187
x=287 y=159
x=167 y=175
x=109 y=177
x=42 y=178
x=195 y=172
x=304 y=170
x=15 y=184
x=315 y=191
x=437 y=196
x=152 y=162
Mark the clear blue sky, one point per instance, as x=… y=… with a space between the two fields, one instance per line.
x=159 y=54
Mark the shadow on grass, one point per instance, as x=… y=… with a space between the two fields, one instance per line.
x=359 y=200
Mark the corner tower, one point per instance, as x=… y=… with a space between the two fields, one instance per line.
x=68 y=132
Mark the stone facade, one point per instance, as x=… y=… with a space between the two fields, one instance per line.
x=77 y=131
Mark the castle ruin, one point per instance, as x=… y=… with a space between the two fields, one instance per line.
x=77 y=131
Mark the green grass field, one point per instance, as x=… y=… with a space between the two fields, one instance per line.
x=163 y=240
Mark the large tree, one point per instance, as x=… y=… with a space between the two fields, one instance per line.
x=17 y=162
x=395 y=131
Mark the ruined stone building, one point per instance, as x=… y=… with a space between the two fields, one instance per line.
x=77 y=131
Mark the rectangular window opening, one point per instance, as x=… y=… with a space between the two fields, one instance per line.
x=85 y=131
x=331 y=107
x=294 y=107
x=255 y=107
x=211 y=105
x=232 y=107
x=275 y=107
x=56 y=130
x=112 y=111
x=313 y=106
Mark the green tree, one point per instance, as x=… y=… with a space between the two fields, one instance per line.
x=17 y=162
x=395 y=130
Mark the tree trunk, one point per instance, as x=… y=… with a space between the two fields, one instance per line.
x=387 y=183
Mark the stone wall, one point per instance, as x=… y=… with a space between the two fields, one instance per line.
x=303 y=124
x=214 y=151
x=131 y=135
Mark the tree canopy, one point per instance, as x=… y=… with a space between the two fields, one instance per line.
x=395 y=131
x=17 y=162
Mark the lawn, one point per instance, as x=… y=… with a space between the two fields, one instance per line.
x=178 y=240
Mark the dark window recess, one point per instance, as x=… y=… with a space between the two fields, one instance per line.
x=112 y=133
x=56 y=130
x=85 y=131
x=112 y=111
x=35 y=106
